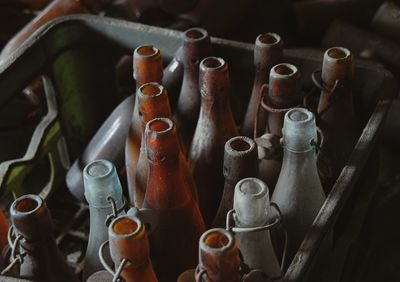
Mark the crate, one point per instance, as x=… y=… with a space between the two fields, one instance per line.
x=94 y=39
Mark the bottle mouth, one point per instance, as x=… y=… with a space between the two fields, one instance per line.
x=146 y=51
x=27 y=204
x=217 y=240
x=99 y=169
x=151 y=89
x=195 y=34
x=299 y=115
x=126 y=226
x=240 y=145
x=212 y=64
x=284 y=70
x=253 y=187
x=338 y=53
x=268 y=39
x=160 y=125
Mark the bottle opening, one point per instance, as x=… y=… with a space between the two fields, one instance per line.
x=240 y=145
x=338 y=53
x=216 y=240
x=151 y=89
x=268 y=38
x=160 y=124
x=298 y=115
x=250 y=187
x=147 y=50
x=26 y=205
x=195 y=33
x=284 y=69
x=125 y=226
x=213 y=62
x=99 y=168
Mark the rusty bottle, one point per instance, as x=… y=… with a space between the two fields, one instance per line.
x=128 y=240
x=42 y=260
x=219 y=259
x=268 y=51
x=196 y=46
x=147 y=67
x=101 y=184
x=337 y=118
x=298 y=192
x=283 y=93
x=168 y=193
x=215 y=126
x=153 y=103
x=240 y=161
x=252 y=207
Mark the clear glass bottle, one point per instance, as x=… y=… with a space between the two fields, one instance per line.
x=128 y=240
x=215 y=126
x=268 y=51
x=240 y=161
x=174 y=242
x=252 y=208
x=101 y=182
x=42 y=260
x=298 y=192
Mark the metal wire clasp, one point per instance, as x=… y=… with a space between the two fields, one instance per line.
x=16 y=257
x=115 y=211
x=116 y=274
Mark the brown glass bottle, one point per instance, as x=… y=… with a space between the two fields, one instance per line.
x=174 y=243
x=219 y=259
x=337 y=118
x=240 y=161
x=268 y=51
x=128 y=240
x=215 y=126
x=147 y=67
x=153 y=103
x=196 y=46
x=56 y=9
x=283 y=93
x=42 y=260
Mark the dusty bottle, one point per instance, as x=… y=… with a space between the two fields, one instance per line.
x=240 y=161
x=252 y=208
x=101 y=182
x=219 y=259
x=298 y=192
x=42 y=260
x=268 y=51
x=283 y=93
x=196 y=46
x=147 y=67
x=107 y=144
x=180 y=223
x=337 y=118
x=128 y=240
x=153 y=102
x=215 y=126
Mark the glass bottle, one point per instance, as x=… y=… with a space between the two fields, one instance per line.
x=42 y=260
x=153 y=102
x=298 y=192
x=240 y=161
x=168 y=193
x=337 y=118
x=101 y=182
x=215 y=126
x=283 y=93
x=107 y=144
x=219 y=259
x=252 y=206
x=268 y=51
x=128 y=240
x=196 y=46
x=147 y=67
